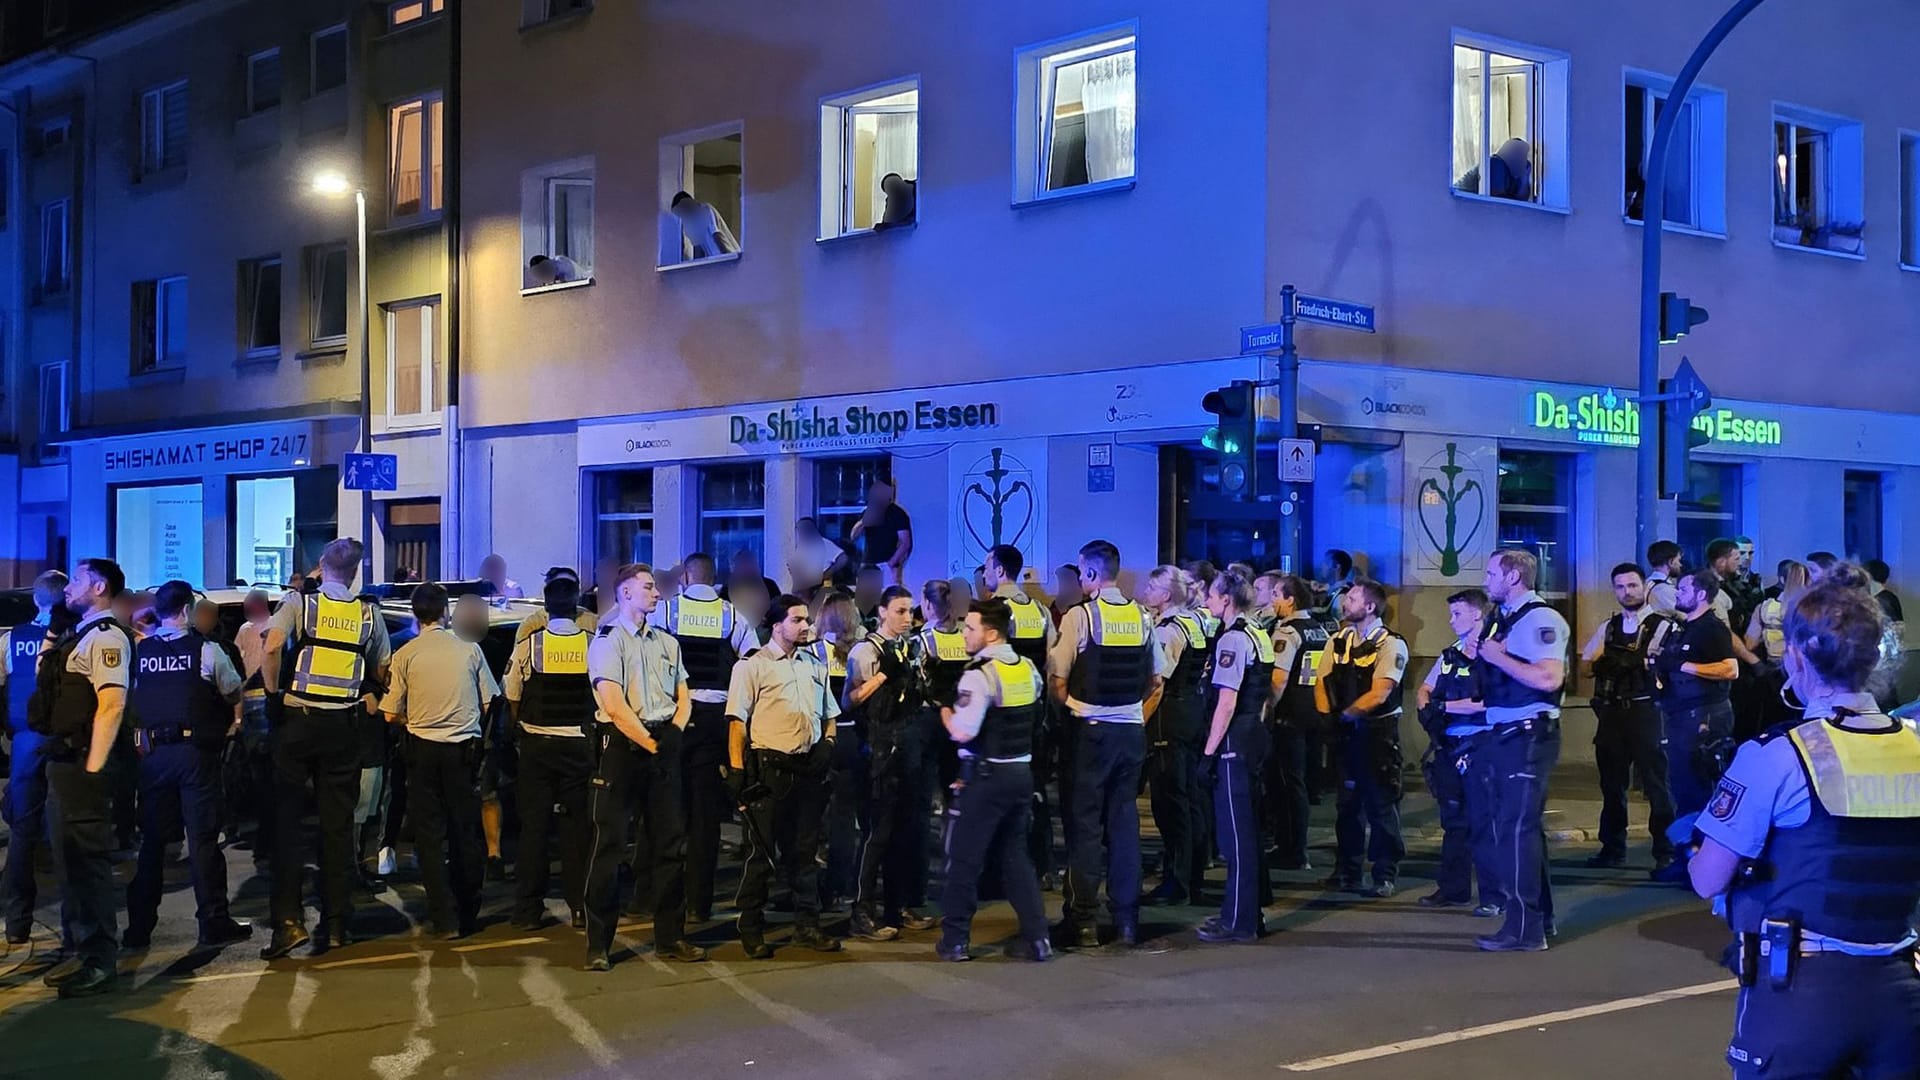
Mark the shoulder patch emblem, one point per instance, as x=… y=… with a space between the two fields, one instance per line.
x=1400 y=661
x=110 y=657
x=1549 y=635
x=963 y=700
x=1726 y=799
x=1228 y=658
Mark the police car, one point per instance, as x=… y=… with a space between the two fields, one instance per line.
x=503 y=616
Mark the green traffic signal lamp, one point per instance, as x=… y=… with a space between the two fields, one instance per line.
x=1234 y=437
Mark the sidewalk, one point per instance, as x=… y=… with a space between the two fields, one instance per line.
x=1573 y=810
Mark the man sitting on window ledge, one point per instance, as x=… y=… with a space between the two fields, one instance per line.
x=903 y=201
x=544 y=270
x=705 y=231
x=1509 y=174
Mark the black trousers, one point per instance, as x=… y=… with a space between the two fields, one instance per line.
x=1171 y=773
x=1516 y=761
x=25 y=806
x=990 y=815
x=80 y=816
x=627 y=779
x=554 y=771
x=1106 y=782
x=1626 y=743
x=1367 y=823
x=443 y=781
x=783 y=835
x=179 y=789
x=314 y=746
x=891 y=765
x=1286 y=791
x=849 y=811
x=703 y=750
x=930 y=760
x=1841 y=1016
x=1453 y=798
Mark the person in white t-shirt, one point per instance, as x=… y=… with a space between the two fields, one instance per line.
x=705 y=231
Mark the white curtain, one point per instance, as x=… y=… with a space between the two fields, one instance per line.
x=1108 y=101
x=1467 y=103
x=896 y=149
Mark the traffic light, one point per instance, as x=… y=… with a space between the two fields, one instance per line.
x=1677 y=316
x=1234 y=435
x=1685 y=398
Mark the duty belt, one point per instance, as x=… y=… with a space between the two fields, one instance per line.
x=1540 y=722
x=165 y=734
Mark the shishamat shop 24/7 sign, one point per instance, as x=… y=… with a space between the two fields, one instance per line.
x=799 y=425
x=1606 y=418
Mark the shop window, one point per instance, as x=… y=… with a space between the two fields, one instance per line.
x=159 y=534
x=263 y=81
x=159 y=324
x=1910 y=201
x=840 y=488
x=56 y=248
x=163 y=129
x=1818 y=181
x=1695 y=188
x=327 y=295
x=1710 y=509
x=260 y=306
x=1509 y=121
x=263 y=535
x=327 y=60
x=1863 y=522
x=623 y=515
x=409 y=12
x=733 y=501
x=413 y=158
x=870 y=159
x=1074 y=124
x=536 y=12
x=1536 y=513
x=701 y=178
x=413 y=361
x=556 y=219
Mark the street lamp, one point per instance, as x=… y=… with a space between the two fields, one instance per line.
x=335 y=184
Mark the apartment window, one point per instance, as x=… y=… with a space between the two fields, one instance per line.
x=263 y=81
x=56 y=17
x=412 y=360
x=1910 y=200
x=163 y=128
x=1074 y=129
x=623 y=516
x=700 y=195
x=556 y=223
x=413 y=157
x=733 y=501
x=260 y=305
x=535 y=12
x=409 y=12
x=53 y=135
x=1509 y=121
x=840 y=491
x=56 y=247
x=1695 y=187
x=870 y=159
x=1818 y=181
x=159 y=324
x=1862 y=520
x=1710 y=509
x=1536 y=513
x=327 y=60
x=54 y=418
x=327 y=295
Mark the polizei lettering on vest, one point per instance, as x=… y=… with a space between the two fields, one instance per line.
x=336 y=622
x=156 y=665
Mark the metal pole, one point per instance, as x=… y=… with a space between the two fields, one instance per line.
x=1653 y=211
x=366 y=388
x=1290 y=510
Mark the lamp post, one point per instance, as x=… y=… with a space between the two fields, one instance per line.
x=336 y=184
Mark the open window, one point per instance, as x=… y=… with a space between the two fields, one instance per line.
x=1695 y=191
x=260 y=307
x=1509 y=122
x=537 y=12
x=701 y=181
x=327 y=60
x=413 y=363
x=327 y=295
x=556 y=224
x=56 y=248
x=413 y=159
x=163 y=129
x=1818 y=181
x=263 y=81
x=1075 y=125
x=870 y=159
x=159 y=324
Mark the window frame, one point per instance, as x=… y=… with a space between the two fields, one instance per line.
x=153 y=110
x=1707 y=152
x=881 y=463
x=64 y=371
x=538 y=231
x=254 y=108
x=1874 y=483
x=681 y=145
x=1734 y=476
x=429 y=11
x=547 y=12
x=1845 y=159
x=644 y=520
x=316 y=260
x=153 y=292
x=430 y=333
x=43 y=286
x=1034 y=67
x=1908 y=144
x=431 y=139
x=252 y=271
x=1566 y=464
x=314 y=89
x=554 y=233
x=54 y=16
x=703 y=513
x=836 y=148
x=1550 y=124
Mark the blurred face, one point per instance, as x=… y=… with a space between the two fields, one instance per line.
x=794 y=630
x=867 y=587
x=470 y=618
x=1068 y=586
x=896 y=617
x=1464 y=619
x=1630 y=590
x=206 y=617
x=880 y=496
x=974 y=632
x=604 y=572
x=639 y=595
x=493 y=568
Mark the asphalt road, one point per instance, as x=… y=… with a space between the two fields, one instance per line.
x=1344 y=988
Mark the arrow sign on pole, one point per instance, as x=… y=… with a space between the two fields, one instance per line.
x=1686 y=383
x=1296 y=461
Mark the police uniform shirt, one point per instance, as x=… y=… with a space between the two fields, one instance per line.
x=539 y=620
x=216 y=667
x=441 y=686
x=1075 y=635
x=863 y=663
x=1286 y=644
x=1392 y=662
x=287 y=619
x=520 y=671
x=1540 y=634
x=1230 y=655
x=1014 y=594
x=783 y=699
x=105 y=656
x=644 y=661
x=979 y=692
x=1705 y=640
x=1171 y=636
x=743 y=639
x=1662 y=595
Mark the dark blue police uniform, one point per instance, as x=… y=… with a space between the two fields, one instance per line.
x=1242 y=661
x=26 y=799
x=1451 y=738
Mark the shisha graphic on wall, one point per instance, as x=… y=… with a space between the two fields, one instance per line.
x=1450 y=498
x=988 y=510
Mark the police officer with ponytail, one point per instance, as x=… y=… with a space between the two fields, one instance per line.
x=1176 y=727
x=551 y=698
x=185 y=688
x=1240 y=682
x=1812 y=842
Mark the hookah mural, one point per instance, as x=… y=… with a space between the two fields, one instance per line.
x=999 y=497
x=1449 y=506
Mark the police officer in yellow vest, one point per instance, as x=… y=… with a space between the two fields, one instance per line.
x=1103 y=668
x=1359 y=684
x=713 y=638
x=933 y=757
x=324 y=649
x=1175 y=730
x=1812 y=843
x=1031 y=637
x=551 y=697
x=1298 y=641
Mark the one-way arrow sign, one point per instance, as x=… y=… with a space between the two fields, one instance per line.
x=1296 y=461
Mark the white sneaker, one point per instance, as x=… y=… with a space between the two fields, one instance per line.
x=385 y=865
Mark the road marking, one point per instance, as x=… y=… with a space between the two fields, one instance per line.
x=384 y=958
x=543 y=990
x=407 y=1060
x=1447 y=1038
x=484 y=946
x=225 y=975
x=867 y=1059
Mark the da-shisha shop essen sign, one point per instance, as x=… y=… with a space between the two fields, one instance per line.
x=1606 y=418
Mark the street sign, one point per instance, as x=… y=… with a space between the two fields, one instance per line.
x=1342 y=313
x=371 y=472
x=1267 y=337
x=1296 y=461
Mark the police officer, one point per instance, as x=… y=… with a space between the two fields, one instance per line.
x=1627 y=741
x=1240 y=683
x=994 y=719
x=551 y=699
x=324 y=648
x=1522 y=668
x=1695 y=668
x=640 y=688
x=1031 y=639
x=1813 y=838
x=1176 y=727
x=1299 y=640
x=713 y=637
x=78 y=703
x=25 y=801
x=1359 y=685
x=933 y=758
x=1454 y=718
x=1103 y=667
x=882 y=691
x=185 y=689
x=781 y=709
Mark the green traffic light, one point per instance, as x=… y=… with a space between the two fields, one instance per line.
x=1211 y=440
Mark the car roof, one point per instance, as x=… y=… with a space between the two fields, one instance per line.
x=499 y=612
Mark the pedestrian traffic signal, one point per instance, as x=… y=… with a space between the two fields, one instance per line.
x=1234 y=435
x=1684 y=399
x=1677 y=316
